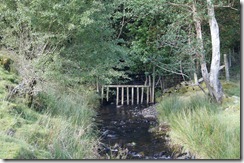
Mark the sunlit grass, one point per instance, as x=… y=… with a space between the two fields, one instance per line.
x=202 y=127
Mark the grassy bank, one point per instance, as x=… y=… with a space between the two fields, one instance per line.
x=208 y=130
x=58 y=125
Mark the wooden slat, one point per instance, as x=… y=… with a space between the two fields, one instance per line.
x=142 y=90
x=128 y=87
x=147 y=95
x=128 y=97
x=137 y=95
x=132 y=95
x=122 y=98
x=117 y=96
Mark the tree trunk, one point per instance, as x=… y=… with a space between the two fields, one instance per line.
x=153 y=84
x=150 y=87
x=201 y=55
x=211 y=80
x=215 y=62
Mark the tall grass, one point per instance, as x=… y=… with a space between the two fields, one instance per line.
x=59 y=126
x=72 y=106
x=67 y=141
x=70 y=115
x=202 y=127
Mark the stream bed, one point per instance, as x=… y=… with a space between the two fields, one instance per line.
x=126 y=133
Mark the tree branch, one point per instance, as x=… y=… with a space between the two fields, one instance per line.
x=180 y=5
x=174 y=72
x=228 y=6
x=122 y=23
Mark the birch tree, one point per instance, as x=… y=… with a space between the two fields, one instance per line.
x=215 y=84
x=211 y=79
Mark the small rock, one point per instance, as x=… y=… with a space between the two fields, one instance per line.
x=11 y=132
x=111 y=136
x=150 y=117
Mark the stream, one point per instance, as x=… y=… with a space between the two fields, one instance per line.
x=125 y=134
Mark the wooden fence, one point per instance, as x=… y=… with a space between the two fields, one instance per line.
x=126 y=93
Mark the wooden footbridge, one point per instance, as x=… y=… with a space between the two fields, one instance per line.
x=129 y=94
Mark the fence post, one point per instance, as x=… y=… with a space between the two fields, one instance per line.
x=227 y=74
x=195 y=78
x=128 y=96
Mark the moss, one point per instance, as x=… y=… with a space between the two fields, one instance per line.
x=182 y=90
x=12 y=148
x=6 y=62
x=231 y=103
x=231 y=88
x=34 y=135
x=6 y=123
x=7 y=82
x=16 y=148
x=9 y=150
x=229 y=85
x=9 y=76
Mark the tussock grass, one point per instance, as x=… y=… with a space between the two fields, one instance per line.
x=73 y=106
x=72 y=134
x=67 y=141
x=202 y=126
x=58 y=126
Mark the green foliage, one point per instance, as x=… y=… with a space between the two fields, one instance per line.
x=158 y=35
x=72 y=40
x=229 y=24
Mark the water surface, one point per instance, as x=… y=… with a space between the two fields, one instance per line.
x=124 y=128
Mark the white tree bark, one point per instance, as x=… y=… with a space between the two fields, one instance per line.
x=200 y=54
x=215 y=62
x=211 y=79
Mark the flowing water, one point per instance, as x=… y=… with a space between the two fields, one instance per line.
x=125 y=133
